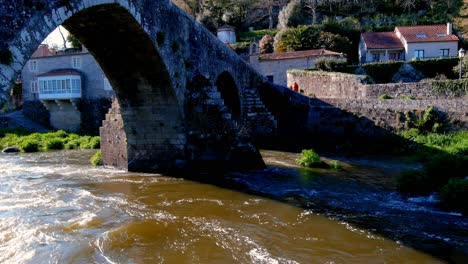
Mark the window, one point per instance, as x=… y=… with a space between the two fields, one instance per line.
x=76 y=62
x=58 y=86
x=34 y=87
x=421 y=35
x=419 y=54
x=376 y=57
x=444 y=52
x=441 y=35
x=33 y=65
x=107 y=85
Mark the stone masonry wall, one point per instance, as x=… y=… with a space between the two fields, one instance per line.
x=349 y=86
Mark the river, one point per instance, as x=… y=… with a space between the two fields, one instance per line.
x=56 y=208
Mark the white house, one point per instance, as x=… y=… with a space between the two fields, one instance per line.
x=274 y=66
x=409 y=42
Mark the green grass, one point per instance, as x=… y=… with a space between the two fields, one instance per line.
x=445 y=165
x=96 y=159
x=256 y=34
x=335 y=165
x=33 y=142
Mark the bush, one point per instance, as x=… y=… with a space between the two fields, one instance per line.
x=330 y=65
x=454 y=195
x=335 y=165
x=256 y=34
x=385 y=96
x=382 y=72
x=96 y=159
x=454 y=88
x=54 y=143
x=308 y=158
x=29 y=145
x=413 y=181
x=433 y=67
x=407 y=97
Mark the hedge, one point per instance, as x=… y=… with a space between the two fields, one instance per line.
x=433 y=67
x=382 y=72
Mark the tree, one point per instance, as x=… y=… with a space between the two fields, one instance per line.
x=266 y=44
x=408 y=4
x=301 y=38
x=75 y=43
x=334 y=42
x=291 y=15
x=63 y=37
x=312 y=6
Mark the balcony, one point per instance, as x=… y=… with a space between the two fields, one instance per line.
x=63 y=85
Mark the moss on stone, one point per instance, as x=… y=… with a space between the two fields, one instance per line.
x=6 y=57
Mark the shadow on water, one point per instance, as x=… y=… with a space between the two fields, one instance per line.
x=370 y=202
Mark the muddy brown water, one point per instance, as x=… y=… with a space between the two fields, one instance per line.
x=56 y=208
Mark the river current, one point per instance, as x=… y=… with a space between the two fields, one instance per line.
x=56 y=208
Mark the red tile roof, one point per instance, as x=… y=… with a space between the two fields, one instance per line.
x=298 y=54
x=59 y=73
x=431 y=33
x=382 y=40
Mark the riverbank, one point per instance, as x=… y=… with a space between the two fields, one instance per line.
x=26 y=141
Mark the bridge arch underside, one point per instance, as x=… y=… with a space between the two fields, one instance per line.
x=144 y=129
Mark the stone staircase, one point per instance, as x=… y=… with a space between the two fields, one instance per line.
x=256 y=115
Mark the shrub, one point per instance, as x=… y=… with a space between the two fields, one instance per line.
x=454 y=195
x=413 y=181
x=266 y=44
x=454 y=88
x=335 y=165
x=385 y=96
x=6 y=57
x=330 y=65
x=29 y=145
x=433 y=67
x=88 y=142
x=54 y=143
x=96 y=159
x=407 y=97
x=308 y=158
x=382 y=72
x=60 y=134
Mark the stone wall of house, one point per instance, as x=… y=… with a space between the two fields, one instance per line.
x=348 y=86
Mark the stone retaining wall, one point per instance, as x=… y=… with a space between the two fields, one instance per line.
x=348 y=86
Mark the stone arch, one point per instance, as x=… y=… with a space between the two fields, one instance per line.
x=145 y=132
x=154 y=48
x=229 y=93
x=146 y=99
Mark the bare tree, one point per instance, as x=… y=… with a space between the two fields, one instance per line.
x=408 y=4
x=63 y=37
x=312 y=5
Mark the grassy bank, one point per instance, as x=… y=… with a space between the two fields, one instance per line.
x=33 y=142
x=445 y=168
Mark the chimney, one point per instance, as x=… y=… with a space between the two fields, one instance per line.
x=449 y=29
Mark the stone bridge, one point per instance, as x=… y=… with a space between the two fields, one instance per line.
x=183 y=98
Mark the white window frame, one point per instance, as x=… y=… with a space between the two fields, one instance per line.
x=33 y=65
x=76 y=62
x=417 y=54
x=445 y=52
x=34 y=87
